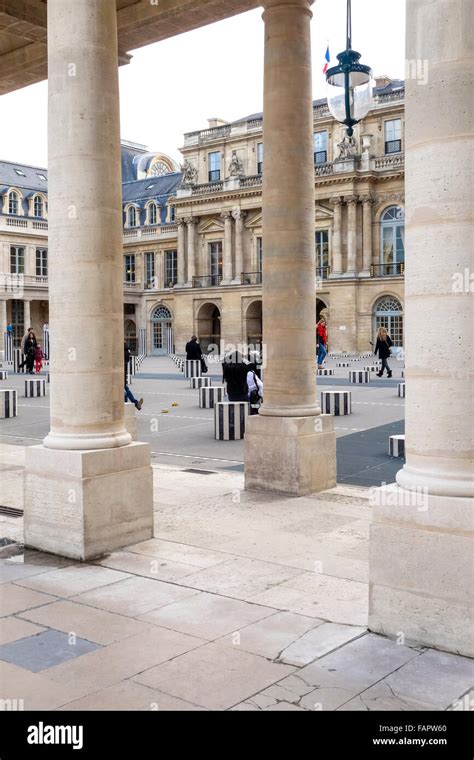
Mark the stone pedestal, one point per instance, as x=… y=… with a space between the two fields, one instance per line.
x=82 y=504
x=421 y=569
x=294 y=455
x=130 y=419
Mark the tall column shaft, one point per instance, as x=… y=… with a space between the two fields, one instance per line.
x=191 y=225
x=85 y=227
x=239 y=245
x=336 y=245
x=181 y=252
x=27 y=314
x=3 y=327
x=366 y=234
x=351 y=236
x=227 y=256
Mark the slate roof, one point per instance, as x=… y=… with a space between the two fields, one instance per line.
x=151 y=187
x=10 y=178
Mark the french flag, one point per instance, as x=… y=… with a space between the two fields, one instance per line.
x=328 y=58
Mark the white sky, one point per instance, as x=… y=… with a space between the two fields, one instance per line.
x=174 y=86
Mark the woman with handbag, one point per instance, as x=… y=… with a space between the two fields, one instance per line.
x=255 y=386
x=382 y=347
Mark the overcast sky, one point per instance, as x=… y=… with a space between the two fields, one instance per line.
x=173 y=87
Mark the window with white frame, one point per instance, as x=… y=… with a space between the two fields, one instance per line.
x=152 y=213
x=129 y=268
x=320 y=147
x=393 y=136
x=393 y=240
x=38 y=206
x=322 y=252
x=171 y=268
x=41 y=262
x=214 y=161
x=258 y=244
x=13 y=202
x=17 y=259
x=172 y=214
x=149 y=269
x=215 y=262
x=260 y=158
x=131 y=216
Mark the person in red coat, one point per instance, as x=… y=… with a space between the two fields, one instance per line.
x=321 y=341
x=39 y=356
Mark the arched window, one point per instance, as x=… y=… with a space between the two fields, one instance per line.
x=388 y=312
x=132 y=217
x=38 y=206
x=152 y=213
x=392 y=244
x=161 y=312
x=13 y=202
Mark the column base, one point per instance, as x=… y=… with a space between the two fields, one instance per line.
x=83 y=504
x=226 y=282
x=349 y=274
x=421 y=568
x=364 y=273
x=292 y=455
x=236 y=281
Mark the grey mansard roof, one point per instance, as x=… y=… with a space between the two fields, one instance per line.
x=10 y=178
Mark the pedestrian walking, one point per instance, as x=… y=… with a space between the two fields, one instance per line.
x=255 y=389
x=194 y=353
x=128 y=393
x=321 y=341
x=382 y=347
x=39 y=356
x=22 y=347
x=234 y=375
x=29 y=352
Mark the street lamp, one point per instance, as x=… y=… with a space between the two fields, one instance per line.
x=349 y=84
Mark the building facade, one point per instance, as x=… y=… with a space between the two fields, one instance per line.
x=192 y=236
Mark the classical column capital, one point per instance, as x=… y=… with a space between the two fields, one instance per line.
x=181 y=222
x=367 y=199
x=226 y=215
x=336 y=201
x=351 y=199
x=237 y=213
x=191 y=220
x=304 y=5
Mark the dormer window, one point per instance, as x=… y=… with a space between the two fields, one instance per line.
x=20 y=173
x=172 y=216
x=132 y=217
x=38 y=206
x=152 y=213
x=41 y=176
x=13 y=203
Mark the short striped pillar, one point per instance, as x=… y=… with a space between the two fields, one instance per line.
x=396 y=446
x=229 y=420
x=325 y=372
x=403 y=373
x=3 y=374
x=371 y=368
x=342 y=364
x=337 y=403
x=359 y=376
x=210 y=396
x=7 y=403
x=35 y=387
x=18 y=357
x=401 y=390
x=192 y=368
x=200 y=382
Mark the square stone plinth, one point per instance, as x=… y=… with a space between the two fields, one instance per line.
x=83 y=504
x=293 y=455
x=421 y=565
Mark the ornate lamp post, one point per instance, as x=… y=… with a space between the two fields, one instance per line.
x=349 y=84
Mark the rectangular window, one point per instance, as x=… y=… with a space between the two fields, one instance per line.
x=214 y=160
x=259 y=158
x=215 y=262
x=393 y=136
x=259 y=254
x=17 y=259
x=149 y=270
x=320 y=147
x=129 y=273
x=322 y=253
x=171 y=268
x=172 y=213
x=41 y=262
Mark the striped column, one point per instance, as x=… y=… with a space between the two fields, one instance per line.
x=200 y=382
x=209 y=397
x=338 y=403
x=325 y=372
x=359 y=376
x=35 y=387
x=3 y=374
x=229 y=420
x=18 y=357
x=8 y=404
x=396 y=446
x=371 y=368
x=342 y=364
x=8 y=345
x=192 y=368
x=401 y=390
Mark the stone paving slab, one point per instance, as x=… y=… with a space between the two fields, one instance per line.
x=12 y=629
x=44 y=650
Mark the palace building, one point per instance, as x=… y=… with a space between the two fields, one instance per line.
x=192 y=235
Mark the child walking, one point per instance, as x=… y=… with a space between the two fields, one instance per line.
x=39 y=356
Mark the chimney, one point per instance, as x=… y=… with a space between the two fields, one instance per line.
x=214 y=122
x=383 y=80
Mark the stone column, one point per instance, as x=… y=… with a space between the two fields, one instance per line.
x=227 y=254
x=191 y=226
x=26 y=315
x=239 y=217
x=336 y=247
x=181 y=253
x=351 y=268
x=289 y=446
x=87 y=491
x=421 y=553
x=367 y=202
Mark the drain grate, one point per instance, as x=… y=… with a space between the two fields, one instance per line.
x=200 y=472
x=11 y=512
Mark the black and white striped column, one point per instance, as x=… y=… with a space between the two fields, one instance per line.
x=342 y=364
x=401 y=390
x=18 y=357
x=371 y=368
x=208 y=397
x=325 y=372
x=192 y=368
x=359 y=376
x=337 y=403
x=7 y=403
x=8 y=346
x=35 y=387
x=3 y=374
x=200 y=382
x=396 y=446
x=229 y=419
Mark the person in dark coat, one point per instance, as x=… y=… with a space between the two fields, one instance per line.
x=29 y=352
x=128 y=393
x=234 y=374
x=382 y=347
x=193 y=349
